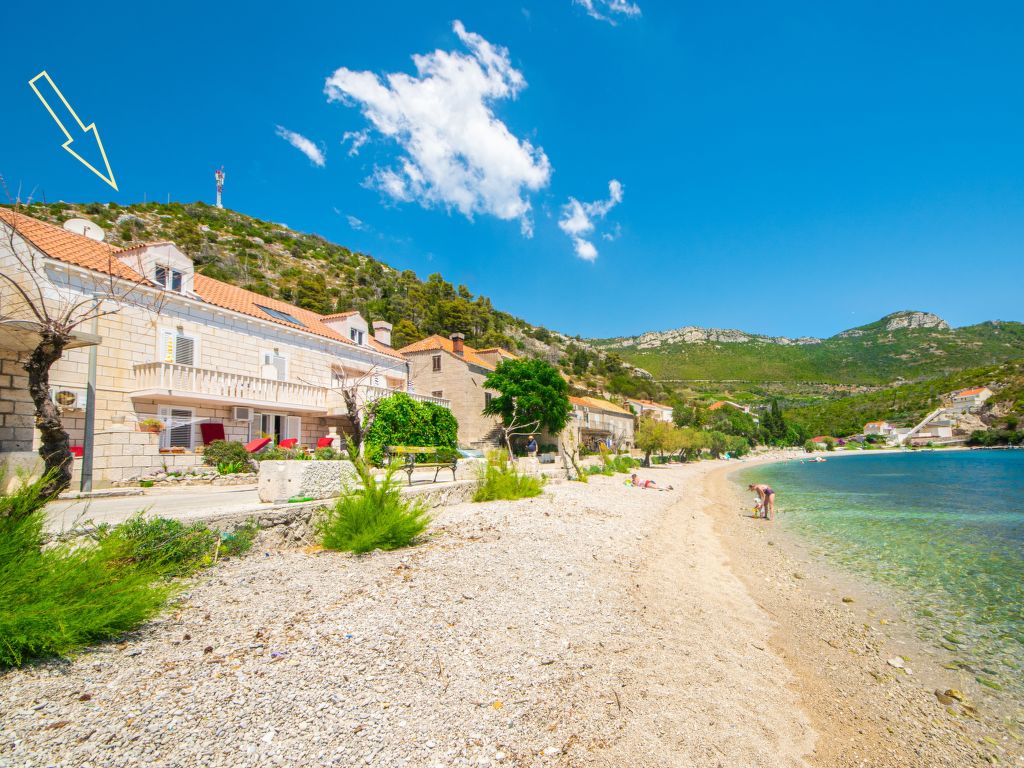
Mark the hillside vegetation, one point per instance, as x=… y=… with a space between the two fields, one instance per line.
x=909 y=403
x=875 y=354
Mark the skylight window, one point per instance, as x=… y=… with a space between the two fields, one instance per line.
x=279 y=315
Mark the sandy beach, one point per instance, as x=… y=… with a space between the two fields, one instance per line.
x=597 y=625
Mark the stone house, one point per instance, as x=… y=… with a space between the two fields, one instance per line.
x=879 y=428
x=453 y=370
x=970 y=399
x=179 y=347
x=594 y=421
x=650 y=409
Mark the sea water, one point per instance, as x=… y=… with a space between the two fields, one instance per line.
x=944 y=528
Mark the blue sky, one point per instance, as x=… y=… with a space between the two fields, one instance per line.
x=785 y=168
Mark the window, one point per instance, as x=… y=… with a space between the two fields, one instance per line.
x=275 y=366
x=277 y=314
x=438 y=394
x=177 y=427
x=178 y=348
x=487 y=398
x=168 y=278
x=356 y=335
x=436 y=362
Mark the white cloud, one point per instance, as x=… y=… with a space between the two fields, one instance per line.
x=455 y=151
x=358 y=139
x=606 y=10
x=578 y=220
x=304 y=145
x=355 y=223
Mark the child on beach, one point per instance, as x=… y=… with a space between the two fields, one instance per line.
x=766 y=500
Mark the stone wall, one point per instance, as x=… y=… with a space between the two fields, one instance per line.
x=17 y=413
x=282 y=480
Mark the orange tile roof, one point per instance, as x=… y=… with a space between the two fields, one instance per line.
x=715 y=406
x=70 y=247
x=339 y=315
x=248 y=303
x=599 y=404
x=436 y=342
x=870 y=423
x=970 y=392
x=501 y=351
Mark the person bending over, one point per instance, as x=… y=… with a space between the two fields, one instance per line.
x=766 y=497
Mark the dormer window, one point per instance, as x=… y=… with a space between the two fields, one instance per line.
x=170 y=279
x=356 y=335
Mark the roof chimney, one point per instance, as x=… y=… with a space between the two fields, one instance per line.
x=382 y=332
x=457 y=343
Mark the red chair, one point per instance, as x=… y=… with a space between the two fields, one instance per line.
x=77 y=451
x=325 y=442
x=257 y=445
x=291 y=442
x=211 y=430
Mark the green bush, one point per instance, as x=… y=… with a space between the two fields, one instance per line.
x=501 y=480
x=232 y=468
x=58 y=600
x=239 y=541
x=226 y=452
x=169 y=546
x=400 y=420
x=283 y=454
x=375 y=516
x=810 y=446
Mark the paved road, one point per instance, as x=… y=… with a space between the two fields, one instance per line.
x=182 y=503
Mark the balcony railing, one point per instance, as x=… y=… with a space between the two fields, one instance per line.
x=367 y=394
x=186 y=382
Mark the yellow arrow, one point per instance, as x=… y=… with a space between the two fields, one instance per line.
x=109 y=178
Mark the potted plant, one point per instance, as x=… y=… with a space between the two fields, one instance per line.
x=151 y=425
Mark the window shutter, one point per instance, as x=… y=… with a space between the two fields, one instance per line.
x=167 y=346
x=184 y=350
x=161 y=276
x=180 y=432
x=282 y=367
x=293 y=427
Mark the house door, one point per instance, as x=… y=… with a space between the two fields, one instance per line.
x=268 y=425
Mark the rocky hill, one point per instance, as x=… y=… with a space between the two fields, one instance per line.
x=901 y=346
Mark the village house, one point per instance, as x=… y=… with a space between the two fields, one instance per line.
x=205 y=358
x=650 y=409
x=453 y=370
x=595 y=422
x=881 y=428
x=970 y=399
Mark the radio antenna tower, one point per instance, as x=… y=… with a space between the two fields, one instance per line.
x=219 y=176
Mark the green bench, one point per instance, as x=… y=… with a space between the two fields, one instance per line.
x=437 y=459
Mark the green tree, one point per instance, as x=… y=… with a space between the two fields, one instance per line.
x=655 y=436
x=404 y=333
x=532 y=392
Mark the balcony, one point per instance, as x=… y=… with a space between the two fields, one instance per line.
x=367 y=394
x=186 y=383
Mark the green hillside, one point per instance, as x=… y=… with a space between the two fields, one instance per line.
x=908 y=403
x=870 y=355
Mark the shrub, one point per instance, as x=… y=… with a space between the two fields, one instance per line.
x=283 y=454
x=375 y=516
x=239 y=541
x=226 y=452
x=232 y=468
x=170 y=546
x=57 y=600
x=400 y=420
x=810 y=446
x=502 y=480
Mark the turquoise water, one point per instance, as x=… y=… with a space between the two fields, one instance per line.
x=947 y=529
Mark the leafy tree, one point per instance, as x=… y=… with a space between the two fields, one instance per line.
x=404 y=333
x=400 y=420
x=655 y=436
x=532 y=392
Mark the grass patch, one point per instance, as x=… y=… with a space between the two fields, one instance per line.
x=501 y=480
x=375 y=516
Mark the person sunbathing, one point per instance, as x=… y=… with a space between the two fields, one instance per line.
x=636 y=482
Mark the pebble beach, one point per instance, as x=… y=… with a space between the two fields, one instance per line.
x=595 y=625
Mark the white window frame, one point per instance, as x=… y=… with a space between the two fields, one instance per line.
x=164 y=352
x=357 y=336
x=273 y=353
x=165 y=413
x=169 y=273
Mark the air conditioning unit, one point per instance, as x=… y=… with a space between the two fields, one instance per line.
x=240 y=413
x=69 y=398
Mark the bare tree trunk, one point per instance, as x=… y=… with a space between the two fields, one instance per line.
x=55 y=448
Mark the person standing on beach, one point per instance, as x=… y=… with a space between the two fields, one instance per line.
x=531 y=446
x=767 y=498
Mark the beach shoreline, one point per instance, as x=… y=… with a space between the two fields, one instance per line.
x=837 y=632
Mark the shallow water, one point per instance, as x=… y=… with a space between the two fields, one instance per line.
x=946 y=528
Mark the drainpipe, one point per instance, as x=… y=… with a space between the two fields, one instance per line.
x=90 y=415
